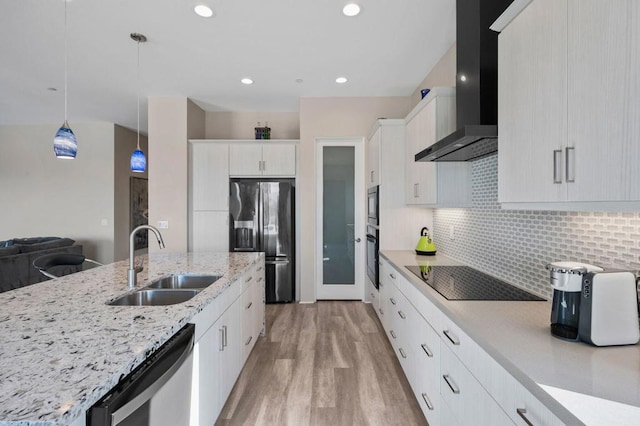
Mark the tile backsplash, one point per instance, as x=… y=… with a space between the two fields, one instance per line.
x=515 y=245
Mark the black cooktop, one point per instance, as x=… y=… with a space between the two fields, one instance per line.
x=466 y=283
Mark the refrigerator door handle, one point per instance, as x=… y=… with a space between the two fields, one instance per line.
x=276 y=261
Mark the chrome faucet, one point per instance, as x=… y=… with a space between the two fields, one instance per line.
x=132 y=272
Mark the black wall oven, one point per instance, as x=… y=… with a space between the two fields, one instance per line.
x=372 y=206
x=373 y=245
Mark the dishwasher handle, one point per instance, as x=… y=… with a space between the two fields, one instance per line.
x=143 y=383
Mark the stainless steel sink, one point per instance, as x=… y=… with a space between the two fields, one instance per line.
x=184 y=281
x=154 y=297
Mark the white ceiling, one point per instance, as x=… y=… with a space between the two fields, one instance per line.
x=385 y=51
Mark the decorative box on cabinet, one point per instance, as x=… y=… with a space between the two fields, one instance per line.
x=270 y=158
x=561 y=147
x=436 y=184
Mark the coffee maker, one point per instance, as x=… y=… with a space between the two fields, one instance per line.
x=566 y=281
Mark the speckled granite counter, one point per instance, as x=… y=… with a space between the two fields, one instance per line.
x=62 y=347
x=599 y=385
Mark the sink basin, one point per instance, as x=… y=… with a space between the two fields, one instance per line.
x=184 y=281
x=155 y=297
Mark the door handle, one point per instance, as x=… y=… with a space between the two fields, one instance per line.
x=557 y=166
x=358 y=240
x=570 y=164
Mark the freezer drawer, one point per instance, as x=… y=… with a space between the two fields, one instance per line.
x=279 y=279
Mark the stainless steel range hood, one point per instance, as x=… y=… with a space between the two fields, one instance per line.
x=476 y=85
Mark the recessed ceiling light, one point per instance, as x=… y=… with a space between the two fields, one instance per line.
x=341 y=80
x=351 y=9
x=203 y=10
x=299 y=80
x=246 y=81
x=463 y=77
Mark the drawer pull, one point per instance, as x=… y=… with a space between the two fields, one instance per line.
x=380 y=310
x=224 y=340
x=452 y=337
x=221 y=347
x=402 y=353
x=392 y=276
x=426 y=350
x=249 y=305
x=259 y=269
x=392 y=300
x=249 y=279
x=402 y=315
x=426 y=401
x=452 y=385
x=392 y=334
x=248 y=341
x=522 y=412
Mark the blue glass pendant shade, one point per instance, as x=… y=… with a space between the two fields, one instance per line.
x=65 y=144
x=138 y=161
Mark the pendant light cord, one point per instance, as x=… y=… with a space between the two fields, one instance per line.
x=65 y=62
x=138 y=85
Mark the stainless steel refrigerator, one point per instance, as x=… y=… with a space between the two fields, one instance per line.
x=262 y=219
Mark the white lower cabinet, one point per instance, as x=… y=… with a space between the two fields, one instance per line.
x=469 y=401
x=453 y=379
x=221 y=347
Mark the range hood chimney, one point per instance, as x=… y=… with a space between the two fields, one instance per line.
x=476 y=85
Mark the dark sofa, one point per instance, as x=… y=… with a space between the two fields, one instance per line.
x=17 y=255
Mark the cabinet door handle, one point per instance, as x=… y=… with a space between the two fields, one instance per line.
x=221 y=347
x=426 y=350
x=570 y=164
x=249 y=305
x=392 y=334
x=415 y=190
x=249 y=279
x=452 y=385
x=404 y=355
x=522 y=412
x=372 y=296
x=392 y=300
x=426 y=401
x=402 y=315
x=392 y=276
x=452 y=337
x=371 y=175
x=557 y=166
x=380 y=310
x=224 y=340
x=248 y=341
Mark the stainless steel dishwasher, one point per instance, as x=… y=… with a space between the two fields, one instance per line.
x=156 y=393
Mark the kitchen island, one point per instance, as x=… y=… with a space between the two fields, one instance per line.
x=63 y=347
x=575 y=381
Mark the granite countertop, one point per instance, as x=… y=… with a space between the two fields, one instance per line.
x=599 y=385
x=62 y=348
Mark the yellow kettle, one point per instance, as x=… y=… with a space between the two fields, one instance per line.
x=425 y=245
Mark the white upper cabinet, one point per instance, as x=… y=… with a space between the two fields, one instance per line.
x=373 y=159
x=262 y=159
x=434 y=184
x=209 y=169
x=569 y=106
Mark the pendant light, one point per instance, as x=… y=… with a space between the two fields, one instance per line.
x=138 y=159
x=65 y=144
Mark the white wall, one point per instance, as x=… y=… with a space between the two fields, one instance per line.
x=125 y=144
x=172 y=121
x=45 y=196
x=330 y=117
x=240 y=125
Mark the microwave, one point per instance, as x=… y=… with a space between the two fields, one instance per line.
x=373 y=204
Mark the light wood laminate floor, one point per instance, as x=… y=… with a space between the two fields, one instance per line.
x=327 y=363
